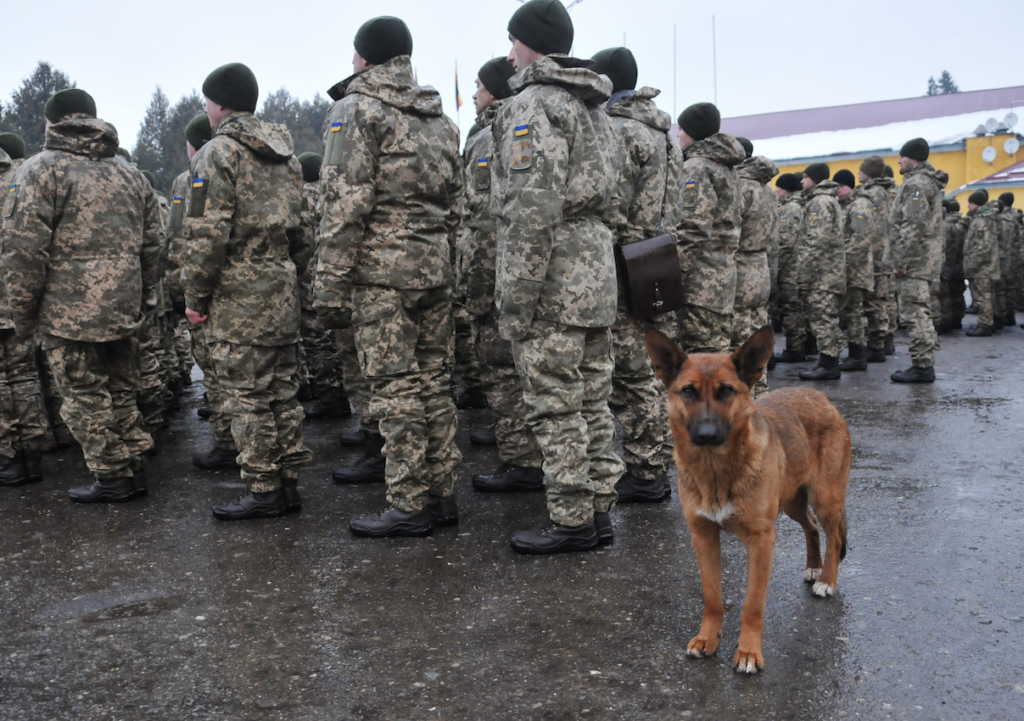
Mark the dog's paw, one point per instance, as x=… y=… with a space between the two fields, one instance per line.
x=822 y=589
x=748 y=662
x=701 y=647
x=811 y=574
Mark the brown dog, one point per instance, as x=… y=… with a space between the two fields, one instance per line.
x=740 y=464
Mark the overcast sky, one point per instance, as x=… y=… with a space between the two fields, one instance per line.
x=771 y=56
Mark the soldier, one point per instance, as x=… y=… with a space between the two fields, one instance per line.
x=390 y=215
x=791 y=219
x=951 y=281
x=916 y=221
x=475 y=277
x=245 y=248
x=150 y=399
x=894 y=320
x=110 y=246
x=821 y=259
x=958 y=281
x=709 y=230
x=861 y=227
x=553 y=180
x=759 y=233
x=983 y=259
x=876 y=305
x=1010 y=250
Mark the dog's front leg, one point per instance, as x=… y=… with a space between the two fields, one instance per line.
x=708 y=549
x=760 y=545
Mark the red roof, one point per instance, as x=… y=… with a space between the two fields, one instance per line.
x=1012 y=176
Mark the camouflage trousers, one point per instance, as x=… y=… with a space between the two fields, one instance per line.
x=854 y=316
x=98 y=383
x=892 y=309
x=1001 y=304
x=168 y=358
x=323 y=359
x=703 y=331
x=51 y=392
x=258 y=385
x=567 y=379
x=151 y=381
x=465 y=349
x=220 y=423
x=822 y=309
x=746 y=322
x=913 y=297
x=638 y=400
x=406 y=346
x=183 y=345
x=793 y=319
x=984 y=299
x=354 y=382
x=876 y=310
x=23 y=420
x=517 y=446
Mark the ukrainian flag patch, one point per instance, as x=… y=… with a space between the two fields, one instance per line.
x=197 y=182
x=482 y=163
x=917 y=195
x=14 y=189
x=336 y=127
x=522 y=130
x=177 y=200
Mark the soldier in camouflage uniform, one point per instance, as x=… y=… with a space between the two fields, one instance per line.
x=876 y=305
x=982 y=259
x=894 y=319
x=476 y=258
x=553 y=180
x=709 y=230
x=952 y=277
x=821 y=259
x=1010 y=251
x=151 y=378
x=791 y=219
x=861 y=227
x=244 y=250
x=78 y=275
x=916 y=222
x=390 y=216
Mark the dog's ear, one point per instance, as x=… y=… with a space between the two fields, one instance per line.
x=751 y=357
x=666 y=357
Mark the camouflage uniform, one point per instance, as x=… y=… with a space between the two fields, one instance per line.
x=759 y=233
x=983 y=261
x=708 y=237
x=172 y=274
x=1008 y=255
x=951 y=282
x=553 y=178
x=879 y=302
x=389 y=219
x=791 y=223
x=244 y=249
x=820 y=258
x=916 y=222
x=475 y=269
x=78 y=265
x=861 y=226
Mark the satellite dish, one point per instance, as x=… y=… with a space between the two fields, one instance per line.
x=1011 y=146
x=991 y=124
x=988 y=154
x=1010 y=119
x=980 y=130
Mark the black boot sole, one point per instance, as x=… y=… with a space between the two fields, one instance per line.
x=511 y=488
x=251 y=515
x=645 y=497
x=105 y=498
x=552 y=550
x=393 y=532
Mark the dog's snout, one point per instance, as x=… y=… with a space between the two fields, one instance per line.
x=707 y=433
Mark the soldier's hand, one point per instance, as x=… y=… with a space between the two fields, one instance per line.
x=194 y=318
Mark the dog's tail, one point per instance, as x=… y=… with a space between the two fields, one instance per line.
x=842 y=531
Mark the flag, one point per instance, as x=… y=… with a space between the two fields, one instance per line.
x=458 y=97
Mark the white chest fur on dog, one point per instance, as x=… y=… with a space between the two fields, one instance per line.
x=718 y=515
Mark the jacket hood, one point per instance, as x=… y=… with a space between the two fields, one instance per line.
x=941 y=177
x=825 y=187
x=269 y=140
x=391 y=83
x=572 y=74
x=83 y=135
x=486 y=118
x=639 y=105
x=758 y=168
x=720 y=147
x=884 y=183
x=796 y=196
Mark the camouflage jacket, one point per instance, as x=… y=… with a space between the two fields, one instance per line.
x=791 y=223
x=1011 y=240
x=312 y=207
x=709 y=227
x=860 y=226
x=81 y=237
x=916 y=223
x=552 y=183
x=476 y=249
x=652 y=171
x=880 y=190
x=176 y=238
x=953 y=231
x=244 y=242
x=821 y=254
x=981 y=246
x=391 y=188
x=759 y=232
x=7 y=172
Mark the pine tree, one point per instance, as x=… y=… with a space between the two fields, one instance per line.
x=160 y=147
x=946 y=83
x=24 y=113
x=304 y=118
x=148 y=152
x=933 y=87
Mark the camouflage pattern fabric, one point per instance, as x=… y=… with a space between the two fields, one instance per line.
x=176 y=237
x=822 y=309
x=97 y=381
x=759 y=214
x=916 y=223
x=567 y=378
x=24 y=424
x=51 y=392
x=877 y=312
x=863 y=227
x=465 y=348
x=791 y=220
x=1009 y=249
x=151 y=384
x=357 y=387
x=700 y=330
x=220 y=423
x=854 y=316
x=913 y=297
x=821 y=254
x=982 y=251
x=983 y=297
x=951 y=293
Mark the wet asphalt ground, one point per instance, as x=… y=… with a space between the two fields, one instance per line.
x=155 y=610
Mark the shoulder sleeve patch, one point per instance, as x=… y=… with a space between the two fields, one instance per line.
x=522 y=154
x=197 y=198
x=10 y=201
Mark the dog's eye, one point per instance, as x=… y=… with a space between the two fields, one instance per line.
x=725 y=393
x=689 y=392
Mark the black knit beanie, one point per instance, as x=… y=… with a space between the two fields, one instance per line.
x=381 y=39
x=12 y=144
x=748 y=147
x=543 y=26
x=887 y=171
x=817 y=172
x=700 y=120
x=494 y=75
x=954 y=205
x=873 y=167
x=619 y=65
x=788 y=181
x=978 y=197
x=845 y=177
x=198 y=131
x=1007 y=198
x=311 y=163
x=233 y=86
x=65 y=102
x=916 y=149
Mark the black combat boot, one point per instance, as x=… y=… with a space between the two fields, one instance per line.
x=640 y=490
x=554 y=538
x=810 y=346
x=392 y=522
x=62 y=436
x=826 y=370
x=510 y=479
x=139 y=481
x=443 y=510
x=370 y=469
x=251 y=505
x=474 y=399
x=605 y=532
x=353 y=439
x=33 y=465
x=890 y=344
x=216 y=459
x=857 y=360
x=790 y=356
x=204 y=411
x=104 y=490
x=979 y=331
x=483 y=438
x=305 y=393
x=320 y=410
x=971 y=310
x=12 y=470
x=997 y=323
x=914 y=375
x=290 y=490
x=1010 y=320
x=875 y=356
x=772 y=362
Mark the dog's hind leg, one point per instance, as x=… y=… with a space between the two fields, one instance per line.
x=799 y=511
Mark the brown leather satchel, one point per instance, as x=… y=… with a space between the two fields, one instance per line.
x=654 y=280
